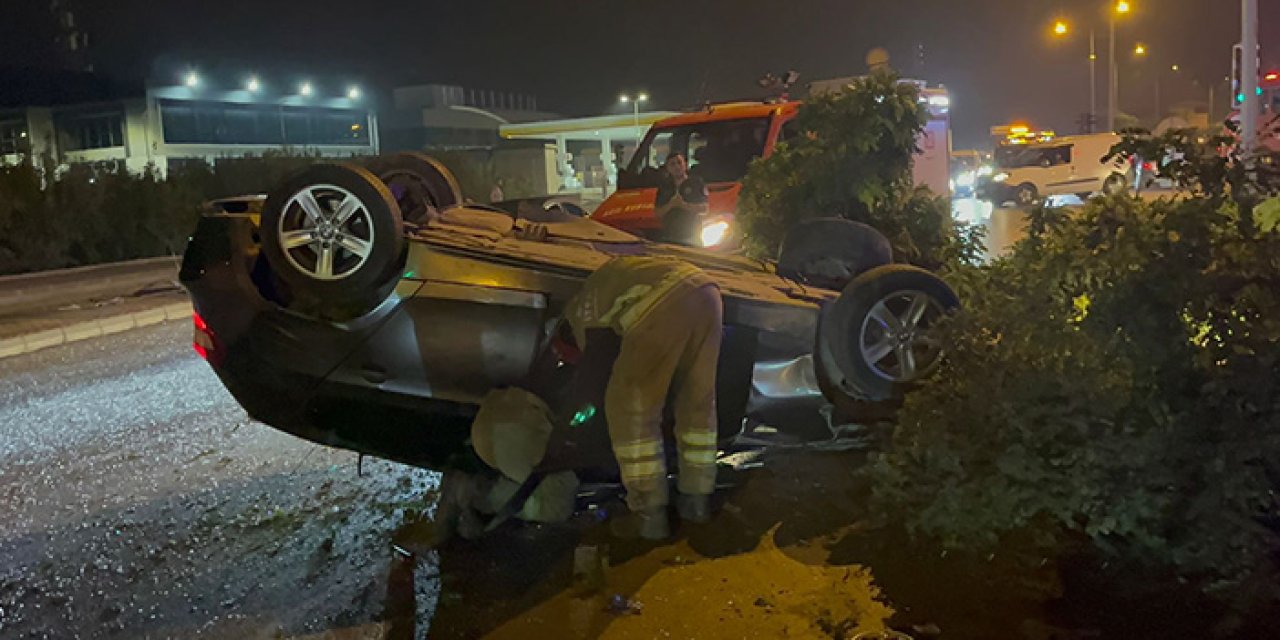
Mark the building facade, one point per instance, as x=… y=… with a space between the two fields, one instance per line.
x=171 y=125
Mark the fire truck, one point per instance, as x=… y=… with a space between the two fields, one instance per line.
x=719 y=143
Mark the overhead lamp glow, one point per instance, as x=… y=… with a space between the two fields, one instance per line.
x=252 y=85
x=1122 y=7
x=1140 y=50
x=644 y=97
x=624 y=98
x=192 y=79
x=305 y=89
x=1060 y=28
x=939 y=101
x=354 y=93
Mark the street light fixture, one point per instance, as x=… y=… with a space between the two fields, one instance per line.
x=1140 y=50
x=353 y=93
x=253 y=86
x=305 y=89
x=1060 y=28
x=635 y=111
x=1122 y=7
x=192 y=80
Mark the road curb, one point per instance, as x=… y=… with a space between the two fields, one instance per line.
x=96 y=328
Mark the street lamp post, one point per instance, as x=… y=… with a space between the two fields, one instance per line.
x=1114 y=100
x=635 y=112
x=1061 y=28
x=1093 y=79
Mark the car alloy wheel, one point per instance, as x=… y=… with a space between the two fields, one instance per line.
x=1025 y=196
x=325 y=232
x=894 y=338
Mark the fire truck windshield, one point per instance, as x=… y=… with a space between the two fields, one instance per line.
x=717 y=151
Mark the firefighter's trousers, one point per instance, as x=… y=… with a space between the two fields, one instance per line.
x=670 y=354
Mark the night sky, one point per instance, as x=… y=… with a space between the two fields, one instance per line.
x=576 y=55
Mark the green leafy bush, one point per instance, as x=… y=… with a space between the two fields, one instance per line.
x=851 y=158
x=1114 y=383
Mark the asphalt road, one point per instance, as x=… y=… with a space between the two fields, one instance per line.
x=140 y=501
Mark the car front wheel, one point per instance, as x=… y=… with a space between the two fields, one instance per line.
x=877 y=340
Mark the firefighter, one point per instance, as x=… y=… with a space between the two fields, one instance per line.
x=668 y=316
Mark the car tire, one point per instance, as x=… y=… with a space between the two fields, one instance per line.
x=829 y=252
x=421 y=184
x=873 y=341
x=1115 y=184
x=333 y=234
x=1025 y=195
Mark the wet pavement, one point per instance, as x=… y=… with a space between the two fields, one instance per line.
x=141 y=502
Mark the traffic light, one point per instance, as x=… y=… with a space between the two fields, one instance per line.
x=1237 y=69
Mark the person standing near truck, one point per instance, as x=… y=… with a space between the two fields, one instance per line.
x=681 y=200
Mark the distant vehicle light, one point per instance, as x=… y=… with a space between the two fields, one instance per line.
x=714 y=233
x=353 y=93
x=305 y=89
x=192 y=80
x=1272 y=76
x=253 y=86
x=1000 y=177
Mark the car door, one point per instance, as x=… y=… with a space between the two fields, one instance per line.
x=1058 y=170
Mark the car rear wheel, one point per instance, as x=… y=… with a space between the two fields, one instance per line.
x=1026 y=195
x=420 y=184
x=829 y=252
x=876 y=340
x=1115 y=184
x=334 y=236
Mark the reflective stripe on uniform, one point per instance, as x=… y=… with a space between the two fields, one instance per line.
x=699 y=438
x=698 y=455
x=642 y=470
x=638 y=449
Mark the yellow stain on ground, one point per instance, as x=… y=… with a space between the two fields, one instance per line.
x=763 y=593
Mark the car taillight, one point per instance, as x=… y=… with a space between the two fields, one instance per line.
x=203 y=340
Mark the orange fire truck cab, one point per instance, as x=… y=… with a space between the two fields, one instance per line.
x=719 y=142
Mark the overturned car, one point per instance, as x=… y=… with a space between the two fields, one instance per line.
x=368 y=308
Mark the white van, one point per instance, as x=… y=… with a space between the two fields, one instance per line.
x=1068 y=165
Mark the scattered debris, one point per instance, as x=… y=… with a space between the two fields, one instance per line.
x=622 y=605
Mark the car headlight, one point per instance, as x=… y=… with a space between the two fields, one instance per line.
x=714 y=232
x=965 y=179
x=1000 y=177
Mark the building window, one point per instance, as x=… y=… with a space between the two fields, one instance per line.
x=14 y=137
x=92 y=130
x=260 y=124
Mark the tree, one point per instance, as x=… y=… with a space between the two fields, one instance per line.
x=851 y=158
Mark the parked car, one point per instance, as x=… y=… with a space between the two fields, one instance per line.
x=327 y=315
